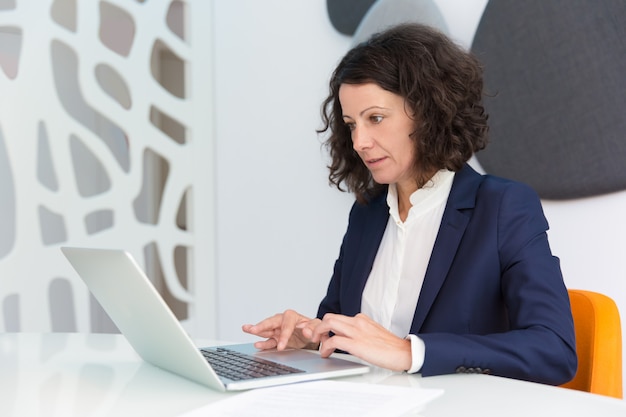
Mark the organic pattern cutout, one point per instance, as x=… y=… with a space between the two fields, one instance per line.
x=93 y=152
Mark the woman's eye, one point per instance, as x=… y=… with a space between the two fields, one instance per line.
x=350 y=126
x=376 y=119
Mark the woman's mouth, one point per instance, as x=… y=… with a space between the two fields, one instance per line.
x=374 y=161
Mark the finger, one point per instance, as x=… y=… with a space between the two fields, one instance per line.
x=265 y=344
x=265 y=327
x=319 y=332
x=326 y=347
x=247 y=328
x=289 y=321
x=335 y=323
x=345 y=344
x=307 y=326
x=257 y=331
x=306 y=332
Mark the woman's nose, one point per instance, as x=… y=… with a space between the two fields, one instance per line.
x=360 y=139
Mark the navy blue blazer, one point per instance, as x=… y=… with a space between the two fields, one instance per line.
x=493 y=298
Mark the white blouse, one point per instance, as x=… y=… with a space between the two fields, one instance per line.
x=395 y=281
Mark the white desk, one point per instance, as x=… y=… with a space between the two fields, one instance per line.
x=60 y=374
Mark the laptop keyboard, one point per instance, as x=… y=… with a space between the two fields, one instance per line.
x=239 y=366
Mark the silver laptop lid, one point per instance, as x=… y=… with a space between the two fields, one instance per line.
x=137 y=309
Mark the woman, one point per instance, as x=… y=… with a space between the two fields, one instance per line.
x=441 y=269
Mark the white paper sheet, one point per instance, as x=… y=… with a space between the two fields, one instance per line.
x=321 y=398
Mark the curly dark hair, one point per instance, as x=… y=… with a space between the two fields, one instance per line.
x=442 y=85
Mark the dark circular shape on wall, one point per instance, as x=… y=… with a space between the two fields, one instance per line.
x=345 y=15
x=555 y=75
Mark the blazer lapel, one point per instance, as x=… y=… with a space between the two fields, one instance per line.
x=453 y=224
x=374 y=225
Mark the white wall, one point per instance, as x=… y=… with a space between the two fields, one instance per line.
x=279 y=224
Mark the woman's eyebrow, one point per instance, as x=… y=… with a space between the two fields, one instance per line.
x=366 y=110
x=371 y=108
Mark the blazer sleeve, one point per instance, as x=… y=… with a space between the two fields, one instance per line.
x=536 y=341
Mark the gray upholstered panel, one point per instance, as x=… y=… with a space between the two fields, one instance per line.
x=557 y=70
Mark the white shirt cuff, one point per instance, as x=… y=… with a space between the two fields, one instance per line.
x=418 y=351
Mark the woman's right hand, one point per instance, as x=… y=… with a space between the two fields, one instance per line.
x=283 y=330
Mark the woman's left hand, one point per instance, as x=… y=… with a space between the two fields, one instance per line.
x=363 y=338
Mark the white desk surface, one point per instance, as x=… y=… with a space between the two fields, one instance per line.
x=58 y=374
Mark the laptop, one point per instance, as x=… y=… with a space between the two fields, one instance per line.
x=119 y=284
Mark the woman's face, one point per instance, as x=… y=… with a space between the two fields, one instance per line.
x=380 y=129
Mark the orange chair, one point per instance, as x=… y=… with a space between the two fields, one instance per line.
x=598 y=344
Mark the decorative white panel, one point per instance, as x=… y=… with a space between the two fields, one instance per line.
x=105 y=141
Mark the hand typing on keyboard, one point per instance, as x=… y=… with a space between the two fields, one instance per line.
x=284 y=330
x=358 y=335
